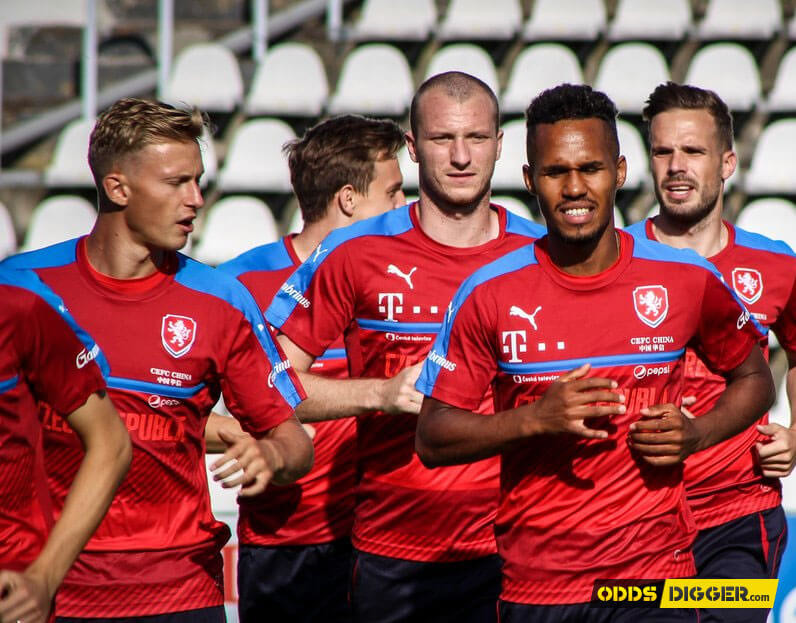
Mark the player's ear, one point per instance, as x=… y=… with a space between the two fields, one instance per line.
x=729 y=160
x=411 y=146
x=621 y=171
x=115 y=187
x=499 y=144
x=346 y=200
x=527 y=175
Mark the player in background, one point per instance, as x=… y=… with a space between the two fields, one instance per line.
x=294 y=548
x=733 y=488
x=45 y=356
x=423 y=539
x=175 y=333
x=582 y=334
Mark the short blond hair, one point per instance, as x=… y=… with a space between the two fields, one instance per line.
x=131 y=124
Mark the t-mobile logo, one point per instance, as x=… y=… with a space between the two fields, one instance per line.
x=514 y=344
x=391 y=308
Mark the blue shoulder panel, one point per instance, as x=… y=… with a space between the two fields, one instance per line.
x=518 y=225
x=59 y=254
x=392 y=223
x=29 y=280
x=203 y=278
x=516 y=260
x=272 y=256
x=638 y=230
x=757 y=241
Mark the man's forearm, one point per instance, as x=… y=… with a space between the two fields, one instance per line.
x=289 y=450
x=331 y=399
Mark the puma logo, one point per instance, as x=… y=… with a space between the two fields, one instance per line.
x=318 y=252
x=392 y=269
x=516 y=311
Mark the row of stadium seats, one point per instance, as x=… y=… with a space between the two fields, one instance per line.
x=254 y=162
x=377 y=79
x=415 y=20
x=237 y=223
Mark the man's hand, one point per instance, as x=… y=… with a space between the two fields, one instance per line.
x=23 y=597
x=664 y=435
x=569 y=402
x=244 y=463
x=778 y=454
x=398 y=394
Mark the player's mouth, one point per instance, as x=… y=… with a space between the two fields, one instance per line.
x=678 y=190
x=186 y=224
x=577 y=213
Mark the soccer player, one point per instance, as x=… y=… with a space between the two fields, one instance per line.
x=423 y=540
x=582 y=334
x=176 y=333
x=733 y=488
x=294 y=547
x=45 y=356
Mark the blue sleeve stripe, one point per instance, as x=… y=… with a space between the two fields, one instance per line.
x=752 y=240
x=30 y=281
x=332 y=353
x=59 y=254
x=202 y=278
x=143 y=387
x=399 y=327
x=516 y=260
x=272 y=256
x=9 y=384
x=392 y=223
x=596 y=362
x=522 y=226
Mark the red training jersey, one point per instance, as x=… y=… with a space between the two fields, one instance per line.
x=44 y=355
x=385 y=285
x=724 y=482
x=174 y=341
x=575 y=510
x=319 y=507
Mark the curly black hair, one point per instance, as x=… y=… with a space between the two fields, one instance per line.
x=570 y=101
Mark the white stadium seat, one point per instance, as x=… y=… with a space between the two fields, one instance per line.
x=508 y=169
x=375 y=80
x=388 y=20
x=739 y=87
x=629 y=72
x=740 y=19
x=476 y=19
x=783 y=94
x=650 y=19
x=289 y=81
x=539 y=67
x=576 y=20
x=772 y=217
x=235 y=225
x=466 y=57
x=255 y=162
x=772 y=170
x=205 y=75
x=635 y=152
x=8 y=236
x=57 y=219
x=69 y=164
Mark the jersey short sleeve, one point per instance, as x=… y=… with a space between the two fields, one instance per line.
x=462 y=363
x=316 y=304
x=63 y=365
x=726 y=331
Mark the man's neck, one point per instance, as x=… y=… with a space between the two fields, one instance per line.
x=458 y=229
x=305 y=242
x=588 y=258
x=111 y=252
x=707 y=237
